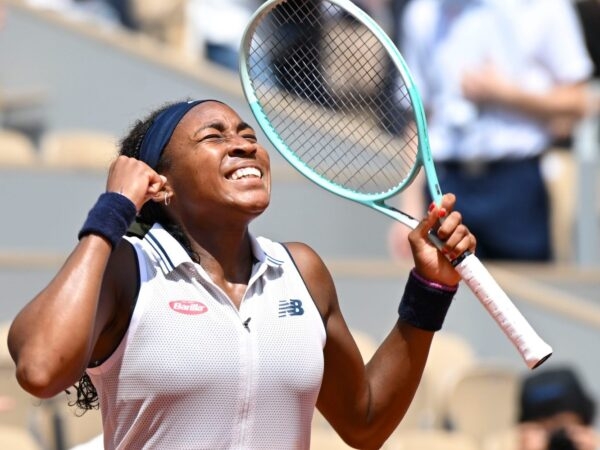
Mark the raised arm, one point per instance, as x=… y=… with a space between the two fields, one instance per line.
x=365 y=403
x=73 y=319
x=488 y=86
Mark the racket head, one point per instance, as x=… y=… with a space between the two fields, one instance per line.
x=315 y=75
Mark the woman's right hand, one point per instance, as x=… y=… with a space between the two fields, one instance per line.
x=134 y=179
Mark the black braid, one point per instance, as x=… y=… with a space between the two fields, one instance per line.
x=87 y=396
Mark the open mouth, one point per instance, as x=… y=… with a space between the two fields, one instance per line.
x=245 y=172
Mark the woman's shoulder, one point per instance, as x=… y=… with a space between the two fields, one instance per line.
x=308 y=261
x=280 y=250
x=301 y=250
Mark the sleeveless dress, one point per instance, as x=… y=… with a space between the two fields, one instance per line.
x=194 y=372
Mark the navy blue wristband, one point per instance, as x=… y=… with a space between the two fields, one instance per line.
x=110 y=217
x=425 y=304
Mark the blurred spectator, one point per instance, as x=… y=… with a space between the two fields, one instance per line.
x=298 y=63
x=216 y=27
x=382 y=11
x=556 y=412
x=101 y=12
x=397 y=8
x=123 y=12
x=500 y=80
x=164 y=21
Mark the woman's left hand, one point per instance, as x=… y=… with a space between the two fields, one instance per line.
x=430 y=263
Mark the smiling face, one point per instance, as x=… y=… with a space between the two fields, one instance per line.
x=215 y=167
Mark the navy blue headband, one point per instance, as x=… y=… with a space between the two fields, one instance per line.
x=156 y=138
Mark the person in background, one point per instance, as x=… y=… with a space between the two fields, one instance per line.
x=556 y=413
x=123 y=10
x=501 y=80
x=96 y=12
x=215 y=28
x=194 y=333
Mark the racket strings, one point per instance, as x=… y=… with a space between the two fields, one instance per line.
x=323 y=81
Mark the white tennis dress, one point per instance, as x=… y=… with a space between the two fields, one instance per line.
x=193 y=372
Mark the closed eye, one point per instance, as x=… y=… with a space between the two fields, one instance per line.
x=211 y=137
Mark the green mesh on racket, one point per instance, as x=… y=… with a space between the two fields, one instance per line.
x=324 y=88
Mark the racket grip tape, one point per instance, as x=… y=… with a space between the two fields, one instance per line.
x=531 y=347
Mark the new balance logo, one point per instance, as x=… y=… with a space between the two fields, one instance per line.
x=290 y=308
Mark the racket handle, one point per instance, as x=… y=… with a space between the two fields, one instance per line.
x=531 y=347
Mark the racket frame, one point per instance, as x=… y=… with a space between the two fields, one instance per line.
x=532 y=348
x=424 y=158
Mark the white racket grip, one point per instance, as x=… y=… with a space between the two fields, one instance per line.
x=531 y=347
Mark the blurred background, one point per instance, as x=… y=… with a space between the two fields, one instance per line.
x=74 y=75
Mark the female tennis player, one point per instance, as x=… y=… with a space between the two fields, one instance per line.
x=193 y=333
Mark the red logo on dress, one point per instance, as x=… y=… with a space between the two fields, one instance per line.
x=189 y=307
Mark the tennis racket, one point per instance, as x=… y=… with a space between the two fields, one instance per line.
x=316 y=75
